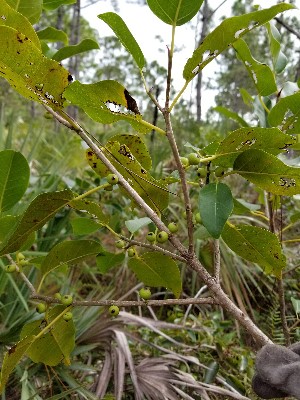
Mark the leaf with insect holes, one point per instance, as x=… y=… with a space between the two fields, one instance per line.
x=30 y=73
x=116 y=23
x=268 y=172
x=257 y=245
x=228 y=32
x=154 y=193
x=106 y=102
x=157 y=269
x=285 y=114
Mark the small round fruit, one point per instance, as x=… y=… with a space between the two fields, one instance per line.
x=41 y=308
x=68 y=316
x=131 y=252
x=151 y=237
x=120 y=244
x=114 y=310
x=145 y=293
x=202 y=172
x=198 y=218
x=66 y=300
x=112 y=179
x=193 y=158
x=23 y=262
x=10 y=268
x=219 y=172
x=184 y=161
x=162 y=237
x=108 y=188
x=173 y=227
x=57 y=296
x=20 y=256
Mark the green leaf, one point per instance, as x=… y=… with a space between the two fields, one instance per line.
x=268 y=172
x=242 y=207
x=30 y=73
x=84 y=226
x=31 y=9
x=228 y=32
x=14 y=178
x=56 y=344
x=41 y=210
x=272 y=140
x=157 y=269
x=10 y=17
x=296 y=305
x=70 y=51
x=12 y=357
x=106 y=261
x=256 y=245
x=278 y=58
x=116 y=23
x=285 y=114
x=176 y=12
x=215 y=206
x=231 y=115
x=153 y=192
x=51 y=34
x=261 y=74
x=91 y=207
x=53 y=4
x=136 y=224
x=69 y=252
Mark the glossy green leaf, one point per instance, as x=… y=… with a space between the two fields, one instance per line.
x=268 y=172
x=137 y=148
x=153 y=192
x=261 y=74
x=257 y=245
x=272 y=140
x=296 y=305
x=134 y=225
x=241 y=207
x=106 y=102
x=278 y=58
x=56 y=344
x=84 y=226
x=31 y=9
x=51 y=34
x=260 y=110
x=10 y=17
x=157 y=269
x=106 y=261
x=40 y=211
x=69 y=252
x=247 y=98
x=116 y=23
x=211 y=372
x=215 y=206
x=285 y=114
x=91 y=207
x=176 y=12
x=12 y=357
x=53 y=4
x=31 y=74
x=14 y=178
x=70 y=51
x=231 y=115
x=228 y=32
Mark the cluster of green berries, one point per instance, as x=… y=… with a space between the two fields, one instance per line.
x=65 y=300
x=160 y=237
x=17 y=266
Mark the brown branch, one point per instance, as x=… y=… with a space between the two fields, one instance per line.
x=287 y=27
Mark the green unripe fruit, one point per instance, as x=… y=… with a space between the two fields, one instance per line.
x=173 y=227
x=114 y=310
x=145 y=293
x=219 y=171
x=66 y=300
x=23 y=262
x=20 y=257
x=198 y=218
x=131 y=252
x=162 y=237
x=112 y=179
x=68 y=316
x=201 y=172
x=57 y=296
x=193 y=158
x=108 y=188
x=151 y=237
x=10 y=268
x=120 y=244
x=48 y=115
x=41 y=308
x=184 y=161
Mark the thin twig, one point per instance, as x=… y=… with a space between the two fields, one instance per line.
x=285 y=327
x=217 y=260
x=21 y=274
